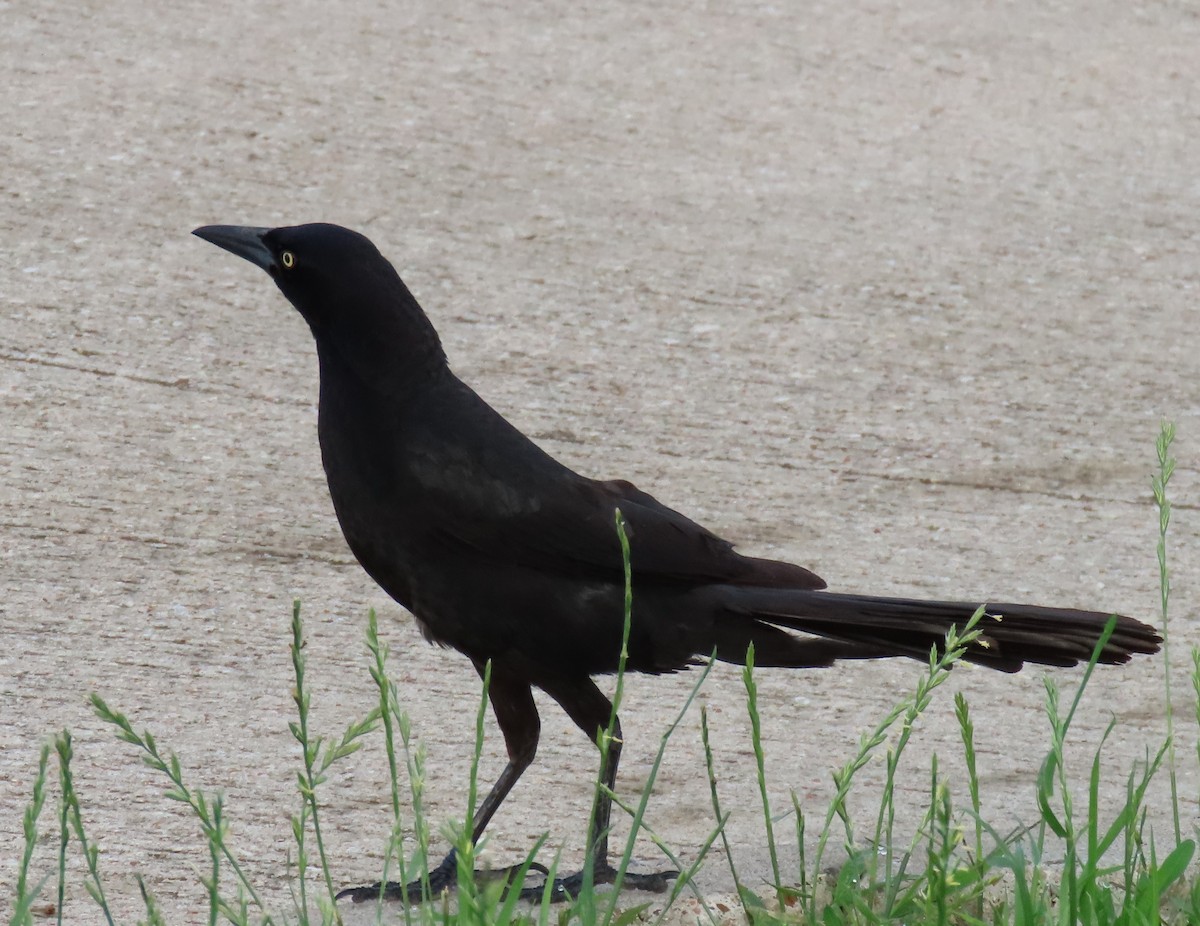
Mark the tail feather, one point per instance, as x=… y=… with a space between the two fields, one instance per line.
x=866 y=627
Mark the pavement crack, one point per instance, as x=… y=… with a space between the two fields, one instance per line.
x=937 y=481
x=206 y=547
x=182 y=383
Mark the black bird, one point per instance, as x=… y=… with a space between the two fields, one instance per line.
x=506 y=555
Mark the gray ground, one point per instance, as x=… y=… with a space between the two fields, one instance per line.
x=896 y=290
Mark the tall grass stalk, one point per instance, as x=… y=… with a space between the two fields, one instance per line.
x=154 y=915
x=604 y=738
x=962 y=713
x=471 y=902
x=72 y=812
x=414 y=763
x=316 y=766
x=1195 y=674
x=942 y=844
x=214 y=881
x=718 y=815
x=64 y=841
x=25 y=894
x=1053 y=772
x=305 y=779
x=761 y=769
x=391 y=717
x=1158 y=485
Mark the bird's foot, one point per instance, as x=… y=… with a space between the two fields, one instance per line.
x=442 y=879
x=603 y=873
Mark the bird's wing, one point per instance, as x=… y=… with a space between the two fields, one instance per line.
x=567 y=524
x=666 y=543
x=485 y=485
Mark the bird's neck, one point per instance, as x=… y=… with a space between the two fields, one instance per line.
x=391 y=363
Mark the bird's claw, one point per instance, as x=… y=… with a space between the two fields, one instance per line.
x=569 y=887
x=442 y=879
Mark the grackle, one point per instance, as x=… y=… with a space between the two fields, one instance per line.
x=509 y=557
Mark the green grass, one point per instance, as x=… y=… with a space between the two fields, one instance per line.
x=1079 y=863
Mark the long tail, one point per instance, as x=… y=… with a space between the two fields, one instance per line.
x=865 y=627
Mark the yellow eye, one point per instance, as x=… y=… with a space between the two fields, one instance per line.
x=288 y=259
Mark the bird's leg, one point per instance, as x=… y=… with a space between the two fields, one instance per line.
x=587 y=706
x=517 y=716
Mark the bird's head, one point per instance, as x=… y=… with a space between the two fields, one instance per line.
x=352 y=298
x=319 y=267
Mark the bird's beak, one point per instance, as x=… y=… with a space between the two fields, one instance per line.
x=242 y=240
